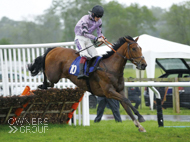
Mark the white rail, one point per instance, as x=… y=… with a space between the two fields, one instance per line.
x=157 y=84
x=61 y=44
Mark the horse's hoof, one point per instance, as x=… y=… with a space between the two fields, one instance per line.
x=141 y=119
x=142 y=130
x=42 y=87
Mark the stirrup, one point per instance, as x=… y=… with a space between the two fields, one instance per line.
x=82 y=76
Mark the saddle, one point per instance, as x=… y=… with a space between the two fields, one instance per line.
x=90 y=66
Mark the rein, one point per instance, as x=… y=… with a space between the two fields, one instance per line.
x=125 y=58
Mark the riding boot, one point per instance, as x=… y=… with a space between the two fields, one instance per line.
x=82 y=75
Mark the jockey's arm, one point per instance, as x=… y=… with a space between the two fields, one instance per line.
x=100 y=35
x=84 y=31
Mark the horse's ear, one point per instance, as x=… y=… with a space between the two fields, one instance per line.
x=136 y=39
x=127 y=40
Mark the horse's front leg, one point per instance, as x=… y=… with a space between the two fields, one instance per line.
x=129 y=112
x=111 y=93
x=126 y=102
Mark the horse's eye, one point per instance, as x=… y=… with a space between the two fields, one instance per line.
x=133 y=49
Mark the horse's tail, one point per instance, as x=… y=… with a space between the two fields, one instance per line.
x=39 y=63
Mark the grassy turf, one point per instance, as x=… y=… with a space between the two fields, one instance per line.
x=105 y=131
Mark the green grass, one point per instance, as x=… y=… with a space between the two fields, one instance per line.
x=105 y=131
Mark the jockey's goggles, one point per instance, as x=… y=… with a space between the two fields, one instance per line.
x=98 y=16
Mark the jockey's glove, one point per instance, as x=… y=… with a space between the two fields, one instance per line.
x=101 y=39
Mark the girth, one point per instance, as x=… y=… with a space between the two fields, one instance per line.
x=88 y=85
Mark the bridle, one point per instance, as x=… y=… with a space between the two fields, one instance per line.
x=132 y=59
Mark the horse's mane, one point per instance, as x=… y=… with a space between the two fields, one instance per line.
x=116 y=46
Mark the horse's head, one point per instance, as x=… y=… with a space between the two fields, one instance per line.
x=134 y=53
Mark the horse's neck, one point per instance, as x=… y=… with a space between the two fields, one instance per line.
x=116 y=61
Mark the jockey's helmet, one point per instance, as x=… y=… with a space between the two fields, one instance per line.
x=98 y=11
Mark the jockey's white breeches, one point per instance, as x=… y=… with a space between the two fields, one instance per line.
x=82 y=42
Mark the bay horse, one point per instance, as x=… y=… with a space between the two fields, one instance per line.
x=107 y=81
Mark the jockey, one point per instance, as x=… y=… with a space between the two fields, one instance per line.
x=83 y=35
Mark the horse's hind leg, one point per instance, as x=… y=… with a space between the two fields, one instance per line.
x=45 y=84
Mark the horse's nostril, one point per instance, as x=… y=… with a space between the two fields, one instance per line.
x=143 y=66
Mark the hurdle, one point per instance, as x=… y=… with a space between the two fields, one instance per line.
x=51 y=105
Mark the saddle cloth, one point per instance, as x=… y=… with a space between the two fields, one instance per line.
x=89 y=67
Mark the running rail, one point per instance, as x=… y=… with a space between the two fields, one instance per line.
x=157 y=84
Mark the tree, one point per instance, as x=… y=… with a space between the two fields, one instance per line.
x=9 y=30
x=4 y=41
x=177 y=24
x=115 y=24
x=132 y=20
x=45 y=29
x=158 y=14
